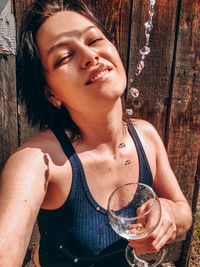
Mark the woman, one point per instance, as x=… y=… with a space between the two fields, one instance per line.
x=71 y=79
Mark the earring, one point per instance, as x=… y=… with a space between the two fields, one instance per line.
x=57 y=106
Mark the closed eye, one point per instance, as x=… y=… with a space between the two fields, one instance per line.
x=63 y=59
x=94 y=41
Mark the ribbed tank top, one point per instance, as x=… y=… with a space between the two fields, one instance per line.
x=78 y=233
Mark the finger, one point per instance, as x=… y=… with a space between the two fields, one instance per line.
x=163 y=235
x=167 y=236
x=150 y=214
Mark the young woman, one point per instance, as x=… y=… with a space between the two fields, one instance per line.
x=71 y=79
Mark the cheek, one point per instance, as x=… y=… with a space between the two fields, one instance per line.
x=63 y=77
x=115 y=58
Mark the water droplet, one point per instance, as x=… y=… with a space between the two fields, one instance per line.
x=61 y=246
x=145 y=50
x=151 y=12
x=148 y=25
x=134 y=92
x=152 y=3
x=129 y=111
x=138 y=72
x=140 y=65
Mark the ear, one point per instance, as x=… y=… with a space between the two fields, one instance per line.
x=52 y=98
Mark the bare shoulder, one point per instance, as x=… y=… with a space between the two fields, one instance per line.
x=23 y=186
x=146 y=131
x=43 y=144
x=41 y=141
x=32 y=151
x=30 y=161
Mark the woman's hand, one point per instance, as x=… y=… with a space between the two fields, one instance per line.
x=176 y=217
x=163 y=233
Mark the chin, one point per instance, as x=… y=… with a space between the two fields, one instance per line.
x=119 y=88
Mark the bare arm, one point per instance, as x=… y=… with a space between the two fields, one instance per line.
x=169 y=192
x=22 y=190
x=176 y=213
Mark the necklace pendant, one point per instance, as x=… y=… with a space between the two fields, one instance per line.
x=127 y=162
x=121 y=145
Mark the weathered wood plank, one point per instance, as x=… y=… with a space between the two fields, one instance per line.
x=154 y=81
x=8 y=108
x=25 y=130
x=8 y=102
x=184 y=118
x=7 y=28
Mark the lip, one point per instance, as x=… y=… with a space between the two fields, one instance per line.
x=98 y=73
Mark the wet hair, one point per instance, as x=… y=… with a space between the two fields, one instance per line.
x=30 y=73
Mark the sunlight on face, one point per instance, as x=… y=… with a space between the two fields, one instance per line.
x=82 y=66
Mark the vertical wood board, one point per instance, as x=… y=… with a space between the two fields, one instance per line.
x=8 y=108
x=25 y=130
x=184 y=119
x=154 y=81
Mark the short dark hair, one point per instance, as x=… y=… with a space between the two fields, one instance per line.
x=30 y=73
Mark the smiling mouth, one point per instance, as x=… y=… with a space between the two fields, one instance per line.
x=98 y=76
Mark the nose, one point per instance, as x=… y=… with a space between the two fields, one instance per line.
x=88 y=57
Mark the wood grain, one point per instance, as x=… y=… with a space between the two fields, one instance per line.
x=8 y=108
x=169 y=84
x=184 y=116
x=154 y=81
x=25 y=130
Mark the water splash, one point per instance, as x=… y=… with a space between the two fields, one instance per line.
x=144 y=51
x=148 y=26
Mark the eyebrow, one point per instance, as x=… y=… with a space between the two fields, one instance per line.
x=64 y=43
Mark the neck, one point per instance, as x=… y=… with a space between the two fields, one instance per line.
x=102 y=128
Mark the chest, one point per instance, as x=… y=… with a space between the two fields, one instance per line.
x=102 y=172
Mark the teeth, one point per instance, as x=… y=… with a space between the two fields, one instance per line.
x=101 y=74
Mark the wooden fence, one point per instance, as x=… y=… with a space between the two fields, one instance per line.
x=169 y=85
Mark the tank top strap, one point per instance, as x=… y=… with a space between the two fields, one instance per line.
x=145 y=174
x=64 y=142
x=72 y=157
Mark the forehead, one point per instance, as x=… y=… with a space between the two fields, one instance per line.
x=67 y=22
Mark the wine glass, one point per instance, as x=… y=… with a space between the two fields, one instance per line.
x=134 y=212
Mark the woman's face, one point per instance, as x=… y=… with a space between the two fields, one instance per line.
x=82 y=68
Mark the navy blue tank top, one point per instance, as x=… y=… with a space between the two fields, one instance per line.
x=78 y=233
